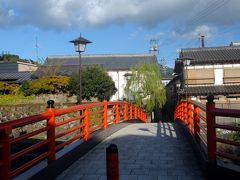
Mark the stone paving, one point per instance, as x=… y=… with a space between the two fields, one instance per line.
x=153 y=151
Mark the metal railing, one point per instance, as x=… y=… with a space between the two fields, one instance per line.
x=50 y=128
x=200 y=121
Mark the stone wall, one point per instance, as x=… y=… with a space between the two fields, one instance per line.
x=42 y=99
x=25 y=108
x=10 y=112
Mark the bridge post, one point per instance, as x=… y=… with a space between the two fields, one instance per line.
x=105 y=111
x=51 y=132
x=196 y=123
x=185 y=112
x=116 y=113
x=5 y=156
x=135 y=111
x=112 y=162
x=124 y=110
x=182 y=111
x=211 y=131
x=131 y=111
x=86 y=124
x=140 y=113
x=190 y=115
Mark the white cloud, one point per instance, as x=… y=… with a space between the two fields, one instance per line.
x=55 y=14
x=157 y=35
x=205 y=30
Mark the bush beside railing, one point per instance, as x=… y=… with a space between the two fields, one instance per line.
x=200 y=121
x=85 y=119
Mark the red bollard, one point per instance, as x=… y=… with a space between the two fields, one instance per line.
x=112 y=162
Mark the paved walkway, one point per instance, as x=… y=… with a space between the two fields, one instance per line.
x=146 y=152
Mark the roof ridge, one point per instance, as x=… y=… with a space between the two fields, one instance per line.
x=101 y=55
x=211 y=48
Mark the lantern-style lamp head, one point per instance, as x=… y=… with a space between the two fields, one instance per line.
x=127 y=76
x=186 y=60
x=80 y=44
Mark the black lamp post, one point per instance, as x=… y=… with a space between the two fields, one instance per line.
x=80 y=45
x=128 y=77
x=186 y=63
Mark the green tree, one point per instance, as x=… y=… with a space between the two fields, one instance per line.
x=96 y=83
x=9 y=58
x=145 y=86
x=24 y=88
x=49 y=85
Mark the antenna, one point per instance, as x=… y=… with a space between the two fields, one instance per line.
x=202 y=41
x=154 y=46
x=199 y=39
x=36 y=46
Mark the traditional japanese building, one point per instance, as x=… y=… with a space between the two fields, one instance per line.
x=16 y=72
x=117 y=66
x=211 y=70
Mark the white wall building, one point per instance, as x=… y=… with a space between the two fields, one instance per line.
x=120 y=83
x=117 y=65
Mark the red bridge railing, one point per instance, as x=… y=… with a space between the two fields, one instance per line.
x=54 y=129
x=200 y=121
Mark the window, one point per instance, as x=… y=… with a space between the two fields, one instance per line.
x=218 y=75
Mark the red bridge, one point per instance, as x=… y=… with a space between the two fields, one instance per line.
x=185 y=149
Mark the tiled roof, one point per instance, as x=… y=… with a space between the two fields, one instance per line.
x=212 y=55
x=16 y=77
x=109 y=62
x=215 y=90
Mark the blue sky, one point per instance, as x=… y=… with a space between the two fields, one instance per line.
x=116 y=26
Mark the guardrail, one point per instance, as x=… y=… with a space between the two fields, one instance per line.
x=201 y=123
x=59 y=128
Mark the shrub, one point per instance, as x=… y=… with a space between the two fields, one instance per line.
x=49 y=85
x=6 y=88
x=24 y=88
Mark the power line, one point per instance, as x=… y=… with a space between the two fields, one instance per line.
x=210 y=9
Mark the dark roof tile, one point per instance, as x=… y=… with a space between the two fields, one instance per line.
x=16 y=77
x=215 y=90
x=212 y=55
x=109 y=62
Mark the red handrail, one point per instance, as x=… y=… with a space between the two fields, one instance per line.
x=193 y=114
x=91 y=117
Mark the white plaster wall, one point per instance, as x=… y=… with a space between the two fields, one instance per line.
x=26 y=67
x=218 y=76
x=213 y=66
x=120 y=83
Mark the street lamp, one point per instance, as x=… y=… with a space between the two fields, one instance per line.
x=141 y=93
x=186 y=63
x=128 y=77
x=177 y=90
x=80 y=45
